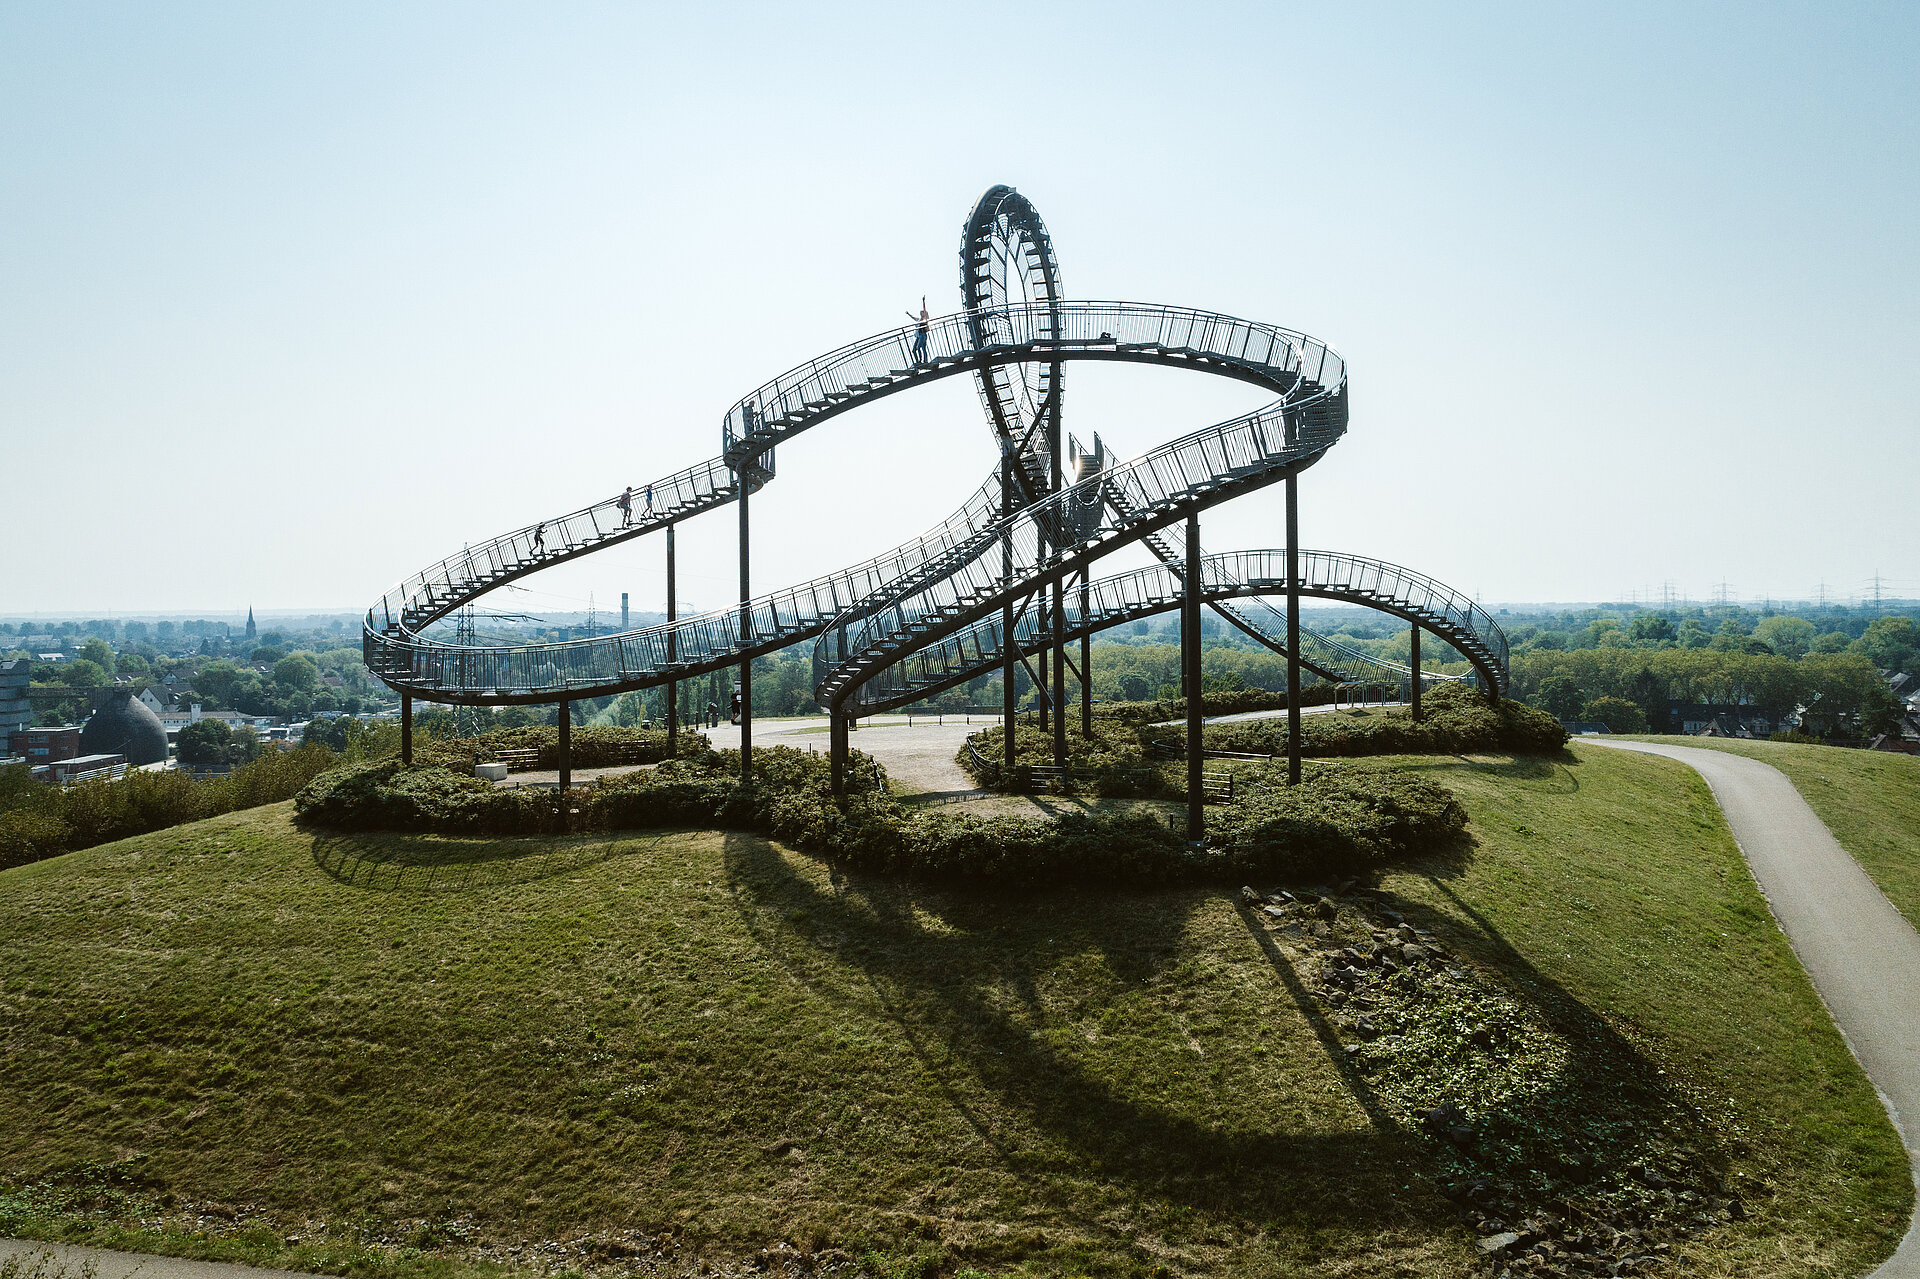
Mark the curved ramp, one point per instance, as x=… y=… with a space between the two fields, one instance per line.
x=1196 y=471
x=1413 y=597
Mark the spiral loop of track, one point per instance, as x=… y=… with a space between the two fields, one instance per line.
x=1027 y=525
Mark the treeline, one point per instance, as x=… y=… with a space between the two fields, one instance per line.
x=1847 y=687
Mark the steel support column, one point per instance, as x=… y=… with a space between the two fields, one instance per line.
x=1056 y=471
x=1293 y=629
x=673 y=653
x=406 y=728
x=1059 y=672
x=837 y=747
x=1413 y=691
x=1086 y=661
x=746 y=637
x=1009 y=702
x=566 y=745
x=1190 y=593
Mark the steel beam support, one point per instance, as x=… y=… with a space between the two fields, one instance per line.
x=1056 y=464
x=837 y=747
x=1009 y=702
x=1190 y=663
x=406 y=728
x=673 y=653
x=566 y=745
x=1293 y=629
x=746 y=637
x=1086 y=661
x=1413 y=693
x=1059 y=672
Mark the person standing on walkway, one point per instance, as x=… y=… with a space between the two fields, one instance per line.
x=649 y=500
x=625 y=503
x=540 y=538
x=922 y=325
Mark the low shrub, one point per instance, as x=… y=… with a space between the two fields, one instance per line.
x=38 y=821
x=1455 y=720
x=1799 y=738
x=1336 y=821
x=1237 y=702
x=593 y=747
x=1111 y=763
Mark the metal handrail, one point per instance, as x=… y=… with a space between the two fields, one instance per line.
x=1045 y=539
x=1184 y=336
x=977 y=649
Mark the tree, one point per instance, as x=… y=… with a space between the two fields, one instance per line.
x=1653 y=630
x=215 y=683
x=1880 y=712
x=246 y=745
x=99 y=652
x=1694 y=635
x=1787 y=636
x=1560 y=696
x=204 y=743
x=1832 y=642
x=84 y=672
x=266 y=655
x=1893 y=643
x=1617 y=713
x=296 y=671
x=1649 y=692
x=1729 y=637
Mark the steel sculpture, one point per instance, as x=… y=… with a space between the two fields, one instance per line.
x=935 y=610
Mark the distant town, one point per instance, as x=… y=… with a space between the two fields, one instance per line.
x=95 y=698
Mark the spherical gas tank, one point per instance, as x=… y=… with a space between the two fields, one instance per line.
x=122 y=726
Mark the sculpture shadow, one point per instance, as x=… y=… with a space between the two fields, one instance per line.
x=391 y=863
x=959 y=973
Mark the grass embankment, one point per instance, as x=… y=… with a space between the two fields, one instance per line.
x=704 y=1044
x=1870 y=800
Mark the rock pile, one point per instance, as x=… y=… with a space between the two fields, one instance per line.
x=1563 y=1163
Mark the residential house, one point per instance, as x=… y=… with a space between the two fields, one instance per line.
x=1693 y=718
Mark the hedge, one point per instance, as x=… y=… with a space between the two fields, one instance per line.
x=591 y=747
x=1454 y=720
x=1337 y=821
x=1111 y=763
x=1237 y=702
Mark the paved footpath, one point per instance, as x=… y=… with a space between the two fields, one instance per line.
x=133 y=1265
x=1863 y=955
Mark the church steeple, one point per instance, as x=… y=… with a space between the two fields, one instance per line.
x=251 y=631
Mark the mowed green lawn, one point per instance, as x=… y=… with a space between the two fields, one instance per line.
x=1870 y=800
x=705 y=1039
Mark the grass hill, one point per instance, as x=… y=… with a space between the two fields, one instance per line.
x=398 y=1055
x=1870 y=800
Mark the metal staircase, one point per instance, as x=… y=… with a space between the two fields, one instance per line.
x=978 y=649
x=1223 y=460
x=1021 y=531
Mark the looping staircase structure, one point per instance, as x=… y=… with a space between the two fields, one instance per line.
x=889 y=629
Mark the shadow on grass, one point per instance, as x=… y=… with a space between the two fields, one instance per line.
x=387 y=862
x=1611 y=1098
x=958 y=974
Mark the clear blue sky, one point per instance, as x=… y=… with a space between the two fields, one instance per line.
x=295 y=300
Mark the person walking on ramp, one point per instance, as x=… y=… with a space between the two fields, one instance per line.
x=625 y=503
x=921 y=327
